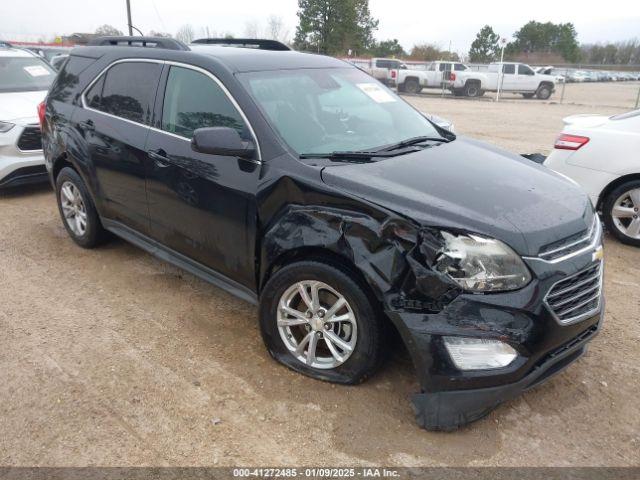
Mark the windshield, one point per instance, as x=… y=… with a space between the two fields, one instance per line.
x=321 y=111
x=24 y=74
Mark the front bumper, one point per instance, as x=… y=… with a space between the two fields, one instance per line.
x=448 y=410
x=19 y=167
x=450 y=397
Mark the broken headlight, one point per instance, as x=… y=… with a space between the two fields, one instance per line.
x=481 y=264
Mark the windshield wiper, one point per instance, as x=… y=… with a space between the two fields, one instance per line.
x=353 y=156
x=411 y=141
x=394 y=150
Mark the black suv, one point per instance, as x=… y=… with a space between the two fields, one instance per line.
x=299 y=183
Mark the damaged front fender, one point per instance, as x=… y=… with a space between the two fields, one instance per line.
x=392 y=254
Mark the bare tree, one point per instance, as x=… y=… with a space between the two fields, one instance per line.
x=251 y=29
x=153 y=33
x=276 y=29
x=108 y=30
x=185 y=33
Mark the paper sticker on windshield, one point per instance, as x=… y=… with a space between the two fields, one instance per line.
x=36 y=70
x=377 y=92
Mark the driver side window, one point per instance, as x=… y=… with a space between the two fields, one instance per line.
x=193 y=100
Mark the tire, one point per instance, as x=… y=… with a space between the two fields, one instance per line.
x=79 y=217
x=472 y=89
x=412 y=86
x=543 y=92
x=365 y=333
x=626 y=196
x=528 y=95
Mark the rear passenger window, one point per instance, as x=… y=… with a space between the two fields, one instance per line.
x=127 y=91
x=193 y=100
x=93 y=96
x=509 y=68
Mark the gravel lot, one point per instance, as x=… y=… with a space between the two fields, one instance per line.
x=111 y=357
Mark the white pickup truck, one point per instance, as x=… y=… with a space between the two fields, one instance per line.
x=512 y=77
x=410 y=78
x=383 y=69
x=432 y=75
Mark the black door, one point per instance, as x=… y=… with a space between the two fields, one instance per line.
x=200 y=205
x=114 y=125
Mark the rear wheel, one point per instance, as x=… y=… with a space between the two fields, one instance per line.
x=473 y=89
x=621 y=210
x=77 y=210
x=412 y=86
x=318 y=320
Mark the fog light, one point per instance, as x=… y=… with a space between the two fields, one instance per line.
x=479 y=353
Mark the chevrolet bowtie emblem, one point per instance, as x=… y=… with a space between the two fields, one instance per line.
x=598 y=254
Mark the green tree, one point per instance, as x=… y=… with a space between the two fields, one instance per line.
x=387 y=48
x=334 y=26
x=537 y=37
x=486 y=47
x=427 y=52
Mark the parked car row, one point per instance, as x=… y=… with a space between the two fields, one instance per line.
x=572 y=75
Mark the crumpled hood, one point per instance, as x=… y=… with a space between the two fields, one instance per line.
x=472 y=186
x=20 y=107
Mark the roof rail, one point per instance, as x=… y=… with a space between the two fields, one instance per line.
x=257 y=43
x=150 y=42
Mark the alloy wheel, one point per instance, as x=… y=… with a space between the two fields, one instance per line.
x=317 y=324
x=73 y=208
x=626 y=213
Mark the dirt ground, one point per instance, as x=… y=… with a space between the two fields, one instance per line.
x=111 y=357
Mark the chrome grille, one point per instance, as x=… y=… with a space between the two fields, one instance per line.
x=573 y=244
x=576 y=297
x=31 y=138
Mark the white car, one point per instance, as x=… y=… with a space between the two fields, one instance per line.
x=602 y=155
x=24 y=81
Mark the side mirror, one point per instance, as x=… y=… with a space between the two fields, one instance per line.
x=221 y=141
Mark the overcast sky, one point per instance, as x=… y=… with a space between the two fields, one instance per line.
x=410 y=21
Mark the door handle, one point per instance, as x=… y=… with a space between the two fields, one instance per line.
x=88 y=125
x=159 y=157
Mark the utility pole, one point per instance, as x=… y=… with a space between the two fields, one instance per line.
x=129 y=18
x=503 y=41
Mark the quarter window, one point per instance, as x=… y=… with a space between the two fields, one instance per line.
x=192 y=100
x=127 y=91
x=93 y=97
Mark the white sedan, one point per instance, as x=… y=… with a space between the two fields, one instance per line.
x=602 y=154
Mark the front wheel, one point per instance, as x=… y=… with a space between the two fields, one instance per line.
x=621 y=210
x=318 y=320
